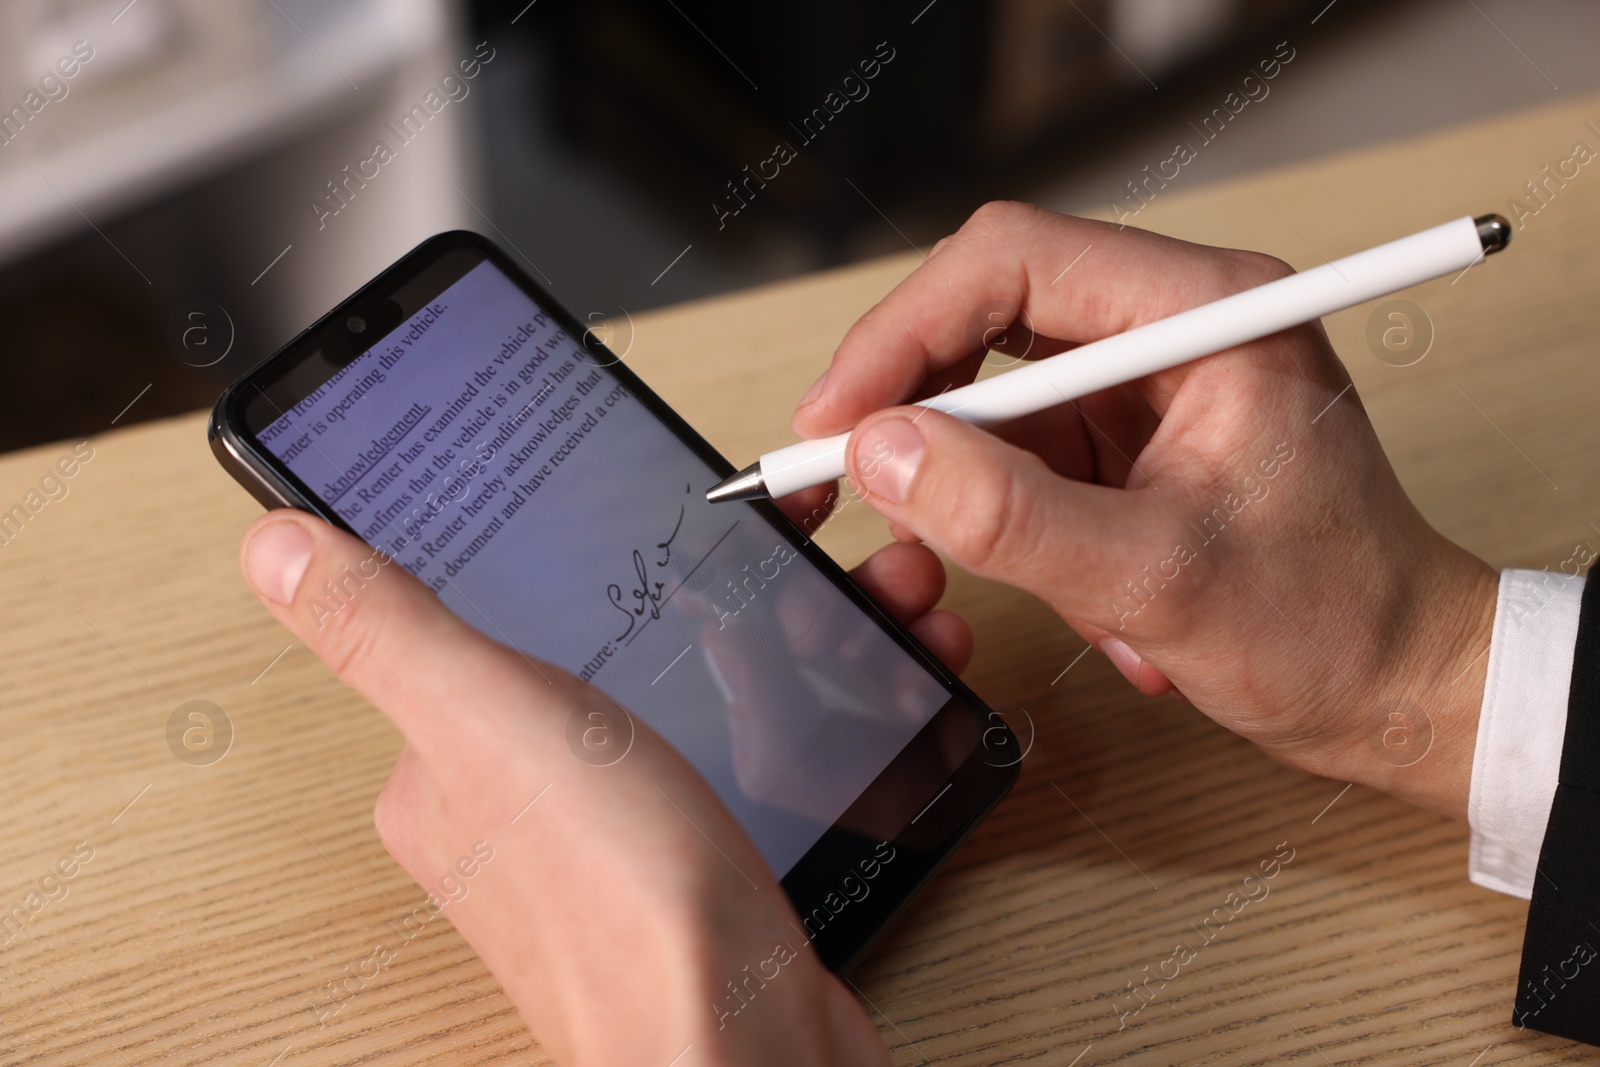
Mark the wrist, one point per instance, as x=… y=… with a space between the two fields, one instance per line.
x=784 y=1007
x=1413 y=732
x=734 y=995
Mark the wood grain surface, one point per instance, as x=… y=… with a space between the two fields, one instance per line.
x=219 y=901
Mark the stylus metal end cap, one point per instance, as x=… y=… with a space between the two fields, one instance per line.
x=1494 y=232
x=746 y=485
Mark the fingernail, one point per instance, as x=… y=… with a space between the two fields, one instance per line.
x=815 y=390
x=276 y=558
x=1123 y=658
x=887 y=455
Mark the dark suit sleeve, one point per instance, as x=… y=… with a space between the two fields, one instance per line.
x=1558 y=991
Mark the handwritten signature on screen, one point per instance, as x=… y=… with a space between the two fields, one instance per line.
x=645 y=596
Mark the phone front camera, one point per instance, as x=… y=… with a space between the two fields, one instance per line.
x=356 y=324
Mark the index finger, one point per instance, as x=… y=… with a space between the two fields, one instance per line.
x=1078 y=280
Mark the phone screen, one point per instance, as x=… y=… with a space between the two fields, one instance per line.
x=495 y=457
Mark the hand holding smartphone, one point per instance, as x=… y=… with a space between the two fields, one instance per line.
x=455 y=418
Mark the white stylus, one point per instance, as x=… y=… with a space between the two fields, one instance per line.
x=1156 y=346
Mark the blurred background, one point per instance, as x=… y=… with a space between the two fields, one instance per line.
x=208 y=179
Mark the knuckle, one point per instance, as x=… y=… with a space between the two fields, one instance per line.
x=988 y=523
x=1258 y=268
x=1000 y=216
x=392 y=819
x=398 y=813
x=347 y=639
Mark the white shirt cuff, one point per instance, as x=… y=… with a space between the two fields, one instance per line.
x=1521 y=726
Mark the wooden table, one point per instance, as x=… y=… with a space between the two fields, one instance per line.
x=220 y=899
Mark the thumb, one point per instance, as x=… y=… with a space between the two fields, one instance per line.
x=389 y=638
x=1000 y=512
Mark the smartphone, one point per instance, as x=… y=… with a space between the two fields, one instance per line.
x=453 y=415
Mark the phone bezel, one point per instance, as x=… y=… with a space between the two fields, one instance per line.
x=977 y=782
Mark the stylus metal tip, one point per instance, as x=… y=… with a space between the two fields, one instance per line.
x=1494 y=231
x=746 y=485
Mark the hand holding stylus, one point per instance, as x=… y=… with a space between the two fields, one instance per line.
x=1229 y=527
x=1159 y=344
